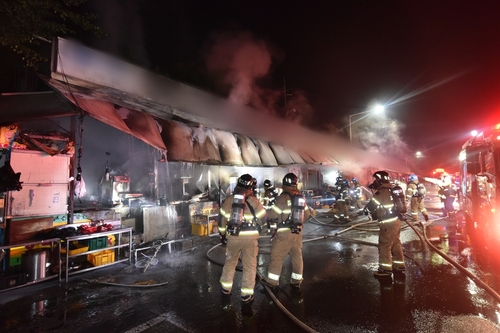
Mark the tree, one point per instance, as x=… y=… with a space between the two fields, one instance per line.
x=24 y=24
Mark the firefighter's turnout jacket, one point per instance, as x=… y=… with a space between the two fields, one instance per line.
x=285 y=241
x=389 y=244
x=415 y=194
x=246 y=243
x=447 y=194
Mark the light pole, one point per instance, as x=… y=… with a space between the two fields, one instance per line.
x=377 y=109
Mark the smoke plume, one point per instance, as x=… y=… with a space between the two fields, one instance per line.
x=380 y=134
x=243 y=61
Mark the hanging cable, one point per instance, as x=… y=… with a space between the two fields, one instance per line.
x=80 y=149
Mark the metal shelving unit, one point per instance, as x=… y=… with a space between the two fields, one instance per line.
x=119 y=245
x=55 y=244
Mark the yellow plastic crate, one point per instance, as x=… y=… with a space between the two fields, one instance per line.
x=79 y=248
x=199 y=229
x=101 y=258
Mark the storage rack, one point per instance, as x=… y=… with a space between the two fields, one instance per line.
x=119 y=245
x=53 y=242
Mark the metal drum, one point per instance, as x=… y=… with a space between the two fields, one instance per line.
x=34 y=263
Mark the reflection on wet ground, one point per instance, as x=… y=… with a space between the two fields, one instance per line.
x=339 y=292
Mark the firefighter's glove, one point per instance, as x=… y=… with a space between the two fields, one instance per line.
x=426 y=218
x=223 y=239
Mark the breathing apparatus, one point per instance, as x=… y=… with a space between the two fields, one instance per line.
x=245 y=184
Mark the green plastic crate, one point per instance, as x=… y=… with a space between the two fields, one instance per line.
x=95 y=243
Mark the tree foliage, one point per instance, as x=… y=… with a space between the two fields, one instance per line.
x=24 y=24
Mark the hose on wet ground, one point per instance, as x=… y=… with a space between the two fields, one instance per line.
x=462 y=269
x=139 y=285
x=270 y=293
x=318 y=237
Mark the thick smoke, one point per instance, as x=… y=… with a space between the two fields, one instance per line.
x=242 y=61
x=380 y=134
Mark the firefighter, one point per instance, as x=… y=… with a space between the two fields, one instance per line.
x=291 y=211
x=270 y=193
x=356 y=194
x=338 y=185
x=391 y=259
x=447 y=193
x=415 y=194
x=241 y=216
x=254 y=188
x=343 y=202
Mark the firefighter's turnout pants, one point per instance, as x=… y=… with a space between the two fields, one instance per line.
x=248 y=246
x=342 y=206
x=286 y=242
x=389 y=245
x=417 y=205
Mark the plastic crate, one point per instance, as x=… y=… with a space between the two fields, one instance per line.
x=76 y=248
x=199 y=229
x=96 y=243
x=101 y=258
x=15 y=260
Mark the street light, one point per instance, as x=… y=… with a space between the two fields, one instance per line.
x=418 y=154
x=379 y=108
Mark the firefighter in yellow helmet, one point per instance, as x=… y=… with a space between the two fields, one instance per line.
x=415 y=195
x=241 y=216
x=291 y=211
x=391 y=258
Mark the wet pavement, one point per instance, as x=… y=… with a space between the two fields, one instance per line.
x=339 y=293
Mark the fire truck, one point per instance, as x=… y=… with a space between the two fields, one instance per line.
x=479 y=173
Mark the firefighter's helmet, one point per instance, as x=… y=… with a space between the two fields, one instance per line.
x=246 y=181
x=267 y=183
x=413 y=177
x=380 y=178
x=355 y=180
x=290 y=179
x=383 y=176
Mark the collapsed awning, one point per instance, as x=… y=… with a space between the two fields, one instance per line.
x=185 y=141
x=139 y=124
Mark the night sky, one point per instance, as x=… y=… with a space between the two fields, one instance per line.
x=434 y=64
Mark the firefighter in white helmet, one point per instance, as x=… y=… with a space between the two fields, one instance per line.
x=415 y=195
x=387 y=211
x=447 y=193
x=291 y=211
x=356 y=194
x=240 y=218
